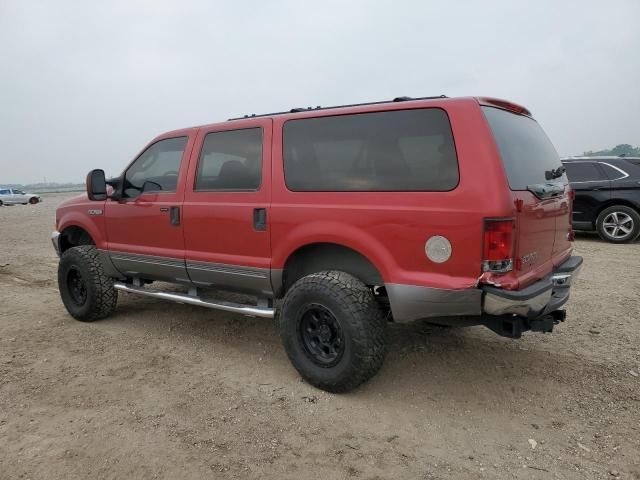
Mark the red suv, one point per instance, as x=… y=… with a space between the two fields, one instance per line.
x=336 y=220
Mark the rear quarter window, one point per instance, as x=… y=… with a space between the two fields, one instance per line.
x=526 y=151
x=401 y=150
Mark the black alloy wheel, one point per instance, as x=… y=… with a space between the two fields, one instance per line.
x=77 y=286
x=321 y=335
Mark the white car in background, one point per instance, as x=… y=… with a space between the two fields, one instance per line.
x=11 y=196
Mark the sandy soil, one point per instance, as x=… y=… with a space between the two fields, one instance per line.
x=162 y=390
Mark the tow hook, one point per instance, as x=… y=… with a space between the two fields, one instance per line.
x=545 y=323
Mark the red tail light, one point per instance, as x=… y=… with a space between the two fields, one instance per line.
x=498 y=245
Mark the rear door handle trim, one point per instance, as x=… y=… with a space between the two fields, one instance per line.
x=260 y=219
x=174 y=216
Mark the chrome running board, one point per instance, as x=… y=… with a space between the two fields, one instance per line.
x=251 y=310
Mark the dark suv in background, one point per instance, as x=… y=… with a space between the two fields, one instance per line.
x=607 y=198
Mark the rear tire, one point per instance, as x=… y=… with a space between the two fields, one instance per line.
x=333 y=330
x=33 y=200
x=87 y=293
x=618 y=224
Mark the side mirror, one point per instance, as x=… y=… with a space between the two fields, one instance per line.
x=149 y=186
x=96 y=185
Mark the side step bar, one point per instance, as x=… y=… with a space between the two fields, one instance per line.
x=251 y=310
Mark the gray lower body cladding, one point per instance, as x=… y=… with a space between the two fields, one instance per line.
x=256 y=281
x=150 y=267
x=412 y=302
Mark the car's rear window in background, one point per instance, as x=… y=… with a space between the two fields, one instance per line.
x=401 y=150
x=526 y=151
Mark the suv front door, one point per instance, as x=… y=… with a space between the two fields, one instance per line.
x=144 y=225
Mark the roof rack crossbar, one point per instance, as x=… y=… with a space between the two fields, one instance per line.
x=302 y=109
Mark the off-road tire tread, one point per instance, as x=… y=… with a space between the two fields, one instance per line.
x=365 y=316
x=106 y=296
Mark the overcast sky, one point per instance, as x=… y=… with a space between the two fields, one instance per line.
x=86 y=84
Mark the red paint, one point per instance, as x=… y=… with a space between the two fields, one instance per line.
x=389 y=228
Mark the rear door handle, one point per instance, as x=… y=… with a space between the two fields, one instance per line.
x=260 y=219
x=174 y=216
x=164 y=209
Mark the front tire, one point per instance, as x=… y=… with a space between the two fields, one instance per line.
x=618 y=224
x=333 y=330
x=87 y=293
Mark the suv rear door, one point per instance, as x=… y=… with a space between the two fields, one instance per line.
x=540 y=192
x=592 y=187
x=227 y=207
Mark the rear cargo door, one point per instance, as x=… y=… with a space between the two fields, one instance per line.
x=540 y=190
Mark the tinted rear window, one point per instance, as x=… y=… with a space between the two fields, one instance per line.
x=403 y=150
x=526 y=151
x=231 y=160
x=584 y=172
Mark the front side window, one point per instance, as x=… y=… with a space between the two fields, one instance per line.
x=4 y=192
x=583 y=172
x=156 y=170
x=230 y=160
x=402 y=150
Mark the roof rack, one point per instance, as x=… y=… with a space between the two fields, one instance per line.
x=302 y=109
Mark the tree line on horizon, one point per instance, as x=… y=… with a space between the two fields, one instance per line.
x=624 y=149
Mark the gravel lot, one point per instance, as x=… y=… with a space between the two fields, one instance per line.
x=162 y=390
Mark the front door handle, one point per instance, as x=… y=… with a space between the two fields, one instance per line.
x=174 y=216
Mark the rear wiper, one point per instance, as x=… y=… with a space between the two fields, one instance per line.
x=546 y=190
x=554 y=173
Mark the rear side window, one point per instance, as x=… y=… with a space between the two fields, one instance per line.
x=584 y=172
x=231 y=160
x=405 y=150
x=4 y=192
x=528 y=155
x=613 y=173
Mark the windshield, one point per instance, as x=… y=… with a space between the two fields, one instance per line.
x=527 y=153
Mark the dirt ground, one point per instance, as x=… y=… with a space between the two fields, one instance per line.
x=162 y=390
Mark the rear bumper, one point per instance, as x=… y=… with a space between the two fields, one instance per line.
x=545 y=296
x=488 y=305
